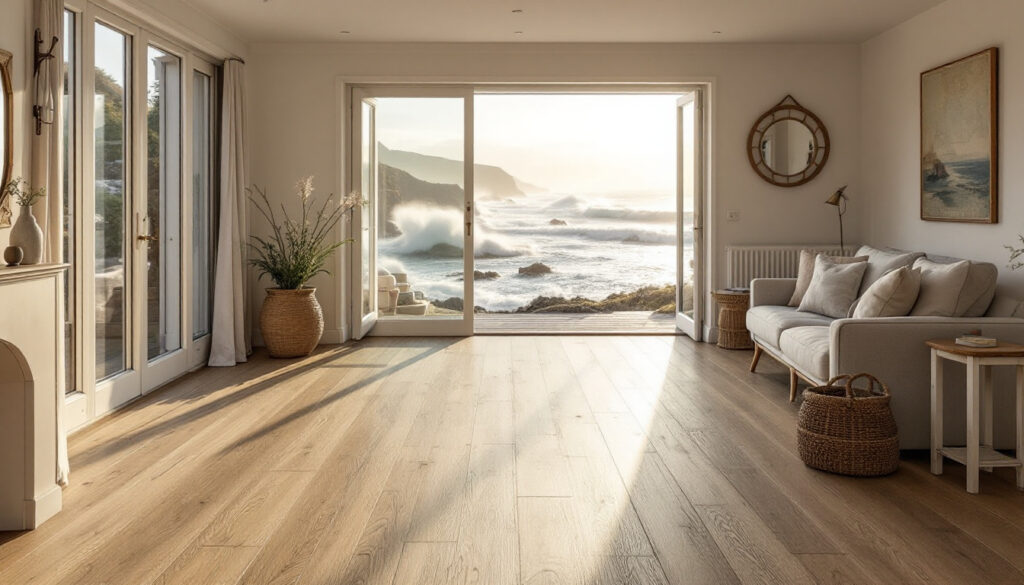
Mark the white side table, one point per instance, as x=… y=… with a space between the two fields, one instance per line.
x=979 y=453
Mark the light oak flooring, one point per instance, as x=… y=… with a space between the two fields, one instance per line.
x=619 y=322
x=498 y=460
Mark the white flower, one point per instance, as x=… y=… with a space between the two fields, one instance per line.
x=305 y=187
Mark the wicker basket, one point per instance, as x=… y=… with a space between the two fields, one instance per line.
x=291 y=322
x=847 y=430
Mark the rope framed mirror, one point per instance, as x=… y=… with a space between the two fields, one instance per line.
x=788 y=145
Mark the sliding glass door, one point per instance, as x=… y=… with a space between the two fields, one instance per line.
x=690 y=221
x=412 y=253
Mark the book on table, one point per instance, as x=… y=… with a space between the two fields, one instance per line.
x=976 y=341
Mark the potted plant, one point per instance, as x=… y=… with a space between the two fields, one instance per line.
x=294 y=252
x=26 y=233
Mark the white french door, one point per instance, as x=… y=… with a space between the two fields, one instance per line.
x=145 y=204
x=412 y=161
x=690 y=217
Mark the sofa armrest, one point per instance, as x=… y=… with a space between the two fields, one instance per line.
x=893 y=350
x=771 y=291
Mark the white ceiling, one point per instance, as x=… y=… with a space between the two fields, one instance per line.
x=561 y=20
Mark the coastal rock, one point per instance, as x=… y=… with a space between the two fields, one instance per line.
x=535 y=269
x=391 y=229
x=489 y=275
x=443 y=250
x=451 y=303
x=557 y=221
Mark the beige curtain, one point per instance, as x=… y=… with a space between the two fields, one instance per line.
x=47 y=169
x=230 y=341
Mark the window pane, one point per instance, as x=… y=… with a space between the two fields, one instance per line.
x=70 y=123
x=202 y=251
x=163 y=202
x=110 y=110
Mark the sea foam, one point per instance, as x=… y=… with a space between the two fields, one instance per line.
x=425 y=228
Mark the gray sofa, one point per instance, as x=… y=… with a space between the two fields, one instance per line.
x=815 y=347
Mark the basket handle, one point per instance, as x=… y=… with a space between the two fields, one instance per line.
x=832 y=381
x=883 y=390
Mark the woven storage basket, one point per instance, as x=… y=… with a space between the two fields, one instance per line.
x=291 y=322
x=847 y=430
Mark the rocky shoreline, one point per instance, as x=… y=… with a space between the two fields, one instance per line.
x=658 y=299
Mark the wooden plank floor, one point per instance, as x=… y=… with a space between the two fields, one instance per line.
x=498 y=460
x=631 y=322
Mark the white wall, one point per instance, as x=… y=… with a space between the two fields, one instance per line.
x=891 y=65
x=296 y=116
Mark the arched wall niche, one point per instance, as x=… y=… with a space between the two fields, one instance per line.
x=15 y=425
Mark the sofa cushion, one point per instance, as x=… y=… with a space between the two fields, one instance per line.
x=833 y=287
x=979 y=288
x=893 y=295
x=881 y=261
x=941 y=287
x=806 y=270
x=767 y=322
x=807 y=349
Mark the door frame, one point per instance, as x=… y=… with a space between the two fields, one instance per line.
x=561 y=84
x=691 y=325
x=412 y=325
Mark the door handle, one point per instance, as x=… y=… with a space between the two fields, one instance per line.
x=469 y=220
x=153 y=238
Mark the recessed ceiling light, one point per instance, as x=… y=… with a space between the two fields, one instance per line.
x=517 y=11
x=716 y=32
x=345 y=32
x=519 y=32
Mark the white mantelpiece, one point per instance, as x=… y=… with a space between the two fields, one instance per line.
x=31 y=391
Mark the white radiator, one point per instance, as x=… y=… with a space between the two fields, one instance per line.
x=745 y=263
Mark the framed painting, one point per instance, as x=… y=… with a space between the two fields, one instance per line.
x=960 y=140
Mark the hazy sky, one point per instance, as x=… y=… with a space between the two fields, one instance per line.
x=566 y=143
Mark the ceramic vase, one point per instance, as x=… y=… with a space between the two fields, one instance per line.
x=27 y=235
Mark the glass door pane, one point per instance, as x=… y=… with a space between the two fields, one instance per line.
x=367 y=236
x=688 y=313
x=69 y=107
x=111 y=112
x=161 y=224
x=202 y=204
x=415 y=167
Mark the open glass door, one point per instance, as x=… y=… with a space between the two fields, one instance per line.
x=690 y=294
x=364 y=238
x=412 y=254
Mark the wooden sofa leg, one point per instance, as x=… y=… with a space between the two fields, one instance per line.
x=757 y=357
x=792 y=385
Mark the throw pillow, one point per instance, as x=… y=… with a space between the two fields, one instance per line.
x=893 y=295
x=881 y=262
x=806 y=270
x=940 y=287
x=833 y=287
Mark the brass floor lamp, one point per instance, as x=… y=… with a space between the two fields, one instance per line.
x=839 y=200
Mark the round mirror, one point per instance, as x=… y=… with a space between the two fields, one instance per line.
x=788 y=145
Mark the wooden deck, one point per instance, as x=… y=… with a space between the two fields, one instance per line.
x=622 y=322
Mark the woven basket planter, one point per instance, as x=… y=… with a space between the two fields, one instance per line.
x=291 y=322
x=846 y=430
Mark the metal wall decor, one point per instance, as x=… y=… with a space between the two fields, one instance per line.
x=788 y=145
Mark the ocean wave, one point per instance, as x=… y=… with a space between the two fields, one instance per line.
x=625 y=214
x=601 y=234
x=431 y=229
x=569 y=202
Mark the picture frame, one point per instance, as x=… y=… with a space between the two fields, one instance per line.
x=959 y=170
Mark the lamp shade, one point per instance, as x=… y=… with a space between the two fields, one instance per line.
x=837 y=197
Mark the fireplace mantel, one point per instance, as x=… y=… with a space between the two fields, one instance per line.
x=31 y=392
